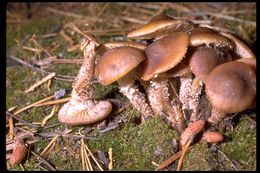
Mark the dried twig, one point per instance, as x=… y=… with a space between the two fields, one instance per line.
x=183 y=154
x=21 y=120
x=64 y=100
x=57 y=77
x=110 y=153
x=94 y=158
x=46 y=78
x=49 y=145
x=33 y=104
x=43 y=161
x=170 y=160
x=54 y=109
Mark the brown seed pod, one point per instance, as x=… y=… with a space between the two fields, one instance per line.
x=212 y=137
x=190 y=132
x=19 y=153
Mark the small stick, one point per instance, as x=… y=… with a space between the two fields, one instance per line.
x=94 y=158
x=155 y=164
x=183 y=154
x=66 y=37
x=30 y=49
x=110 y=165
x=49 y=85
x=49 y=116
x=170 y=160
x=46 y=78
x=12 y=108
x=33 y=104
x=49 y=145
x=64 y=100
x=22 y=167
x=11 y=127
x=43 y=161
x=82 y=157
x=58 y=77
x=21 y=120
x=88 y=163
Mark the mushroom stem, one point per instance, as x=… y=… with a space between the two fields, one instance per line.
x=185 y=90
x=82 y=87
x=81 y=109
x=136 y=98
x=196 y=90
x=216 y=116
x=159 y=98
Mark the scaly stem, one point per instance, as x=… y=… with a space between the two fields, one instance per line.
x=82 y=87
x=136 y=98
x=159 y=97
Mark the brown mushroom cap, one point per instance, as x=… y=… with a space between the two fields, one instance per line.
x=202 y=35
x=231 y=87
x=240 y=47
x=165 y=53
x=116 y=63
x=249 y=61
x=160 y=27
x=204 y=59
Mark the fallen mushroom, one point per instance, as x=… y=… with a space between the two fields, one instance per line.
x=163 y=55
x=230 y=88
x=81 y=109
x=121 y=65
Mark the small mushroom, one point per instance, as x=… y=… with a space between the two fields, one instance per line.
x=230 y=88
x=121 y=65
x=81 y=109
x=161 y=17
x=163 y=55
x=159 y=27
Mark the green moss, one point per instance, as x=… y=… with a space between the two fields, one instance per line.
x=134 y=145
x=197 y=157
x=242 y=144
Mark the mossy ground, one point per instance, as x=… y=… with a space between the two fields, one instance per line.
x=134 y=146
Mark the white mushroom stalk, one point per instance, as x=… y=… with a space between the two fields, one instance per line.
x=135 y=97
x=81 y=109
x=160 y=101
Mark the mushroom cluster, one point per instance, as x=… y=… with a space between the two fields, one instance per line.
x=176 y=62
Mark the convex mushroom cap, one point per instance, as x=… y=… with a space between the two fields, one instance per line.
x=116 y=63
x=202 y=35
x=204 y=59
x=231 y=87
x=165 y=53
x=159 y=27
